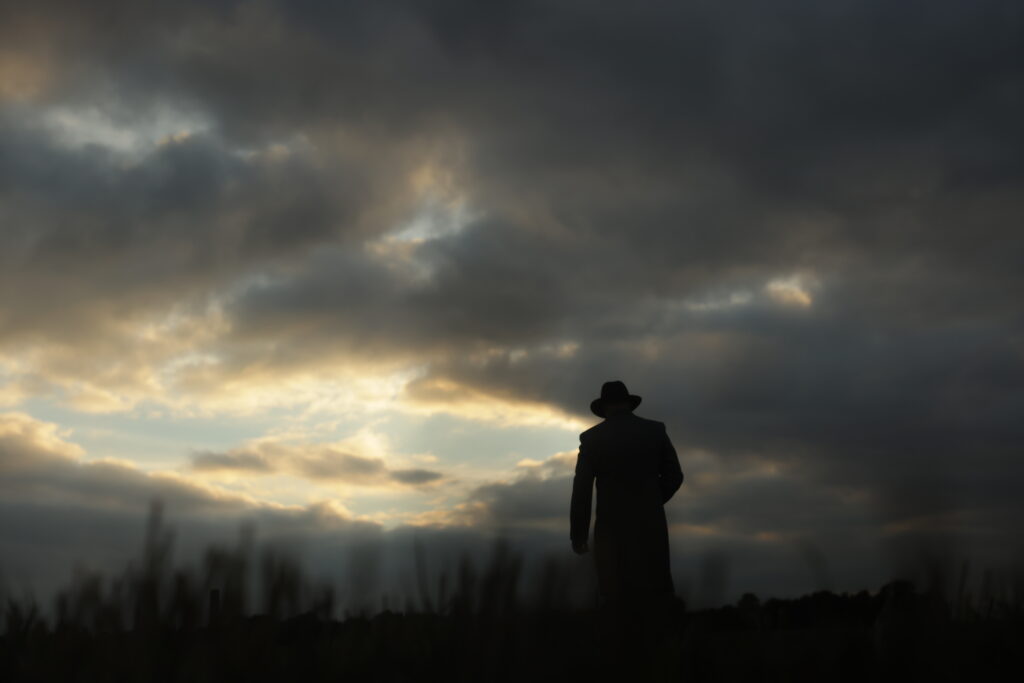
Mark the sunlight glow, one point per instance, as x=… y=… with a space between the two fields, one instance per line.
x=22 y=77
x=442 y=395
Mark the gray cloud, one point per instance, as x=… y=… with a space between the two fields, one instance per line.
x=415 y=476
x=313 y=461
x=249 y=462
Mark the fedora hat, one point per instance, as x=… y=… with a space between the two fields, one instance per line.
x=613 y=391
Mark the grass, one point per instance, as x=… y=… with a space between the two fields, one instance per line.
x=159 y=623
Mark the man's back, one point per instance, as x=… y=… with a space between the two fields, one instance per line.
x=636 y=471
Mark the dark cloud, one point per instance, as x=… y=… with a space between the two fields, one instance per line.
x=93 y=240
x=668 y=149
x=415 y=476
x=343 y=466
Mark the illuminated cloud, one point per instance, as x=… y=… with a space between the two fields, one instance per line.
x=464 y=400
x=141 y=134
x=791 y=291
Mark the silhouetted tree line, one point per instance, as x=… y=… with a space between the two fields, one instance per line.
x=156 y=623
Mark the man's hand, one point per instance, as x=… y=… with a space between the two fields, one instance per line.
x=580 y=547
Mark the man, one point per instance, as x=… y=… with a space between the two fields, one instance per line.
x=637 y=471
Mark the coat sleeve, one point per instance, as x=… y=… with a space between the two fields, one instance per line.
x=582 y=497
x=670 y=474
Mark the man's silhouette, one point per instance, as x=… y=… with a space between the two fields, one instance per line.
x=637 y=471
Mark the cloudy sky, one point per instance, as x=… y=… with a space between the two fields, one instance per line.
x=359 y=268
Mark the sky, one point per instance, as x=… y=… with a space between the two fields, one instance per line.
x=352 y=271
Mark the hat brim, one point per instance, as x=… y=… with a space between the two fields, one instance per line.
x=597 y=405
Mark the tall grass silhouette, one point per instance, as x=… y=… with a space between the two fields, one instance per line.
x=254 y=614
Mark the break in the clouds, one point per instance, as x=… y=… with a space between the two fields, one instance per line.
x=792 y=227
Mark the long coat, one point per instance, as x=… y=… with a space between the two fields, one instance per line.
x=637 y=471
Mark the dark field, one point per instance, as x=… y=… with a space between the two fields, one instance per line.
x=481 y=623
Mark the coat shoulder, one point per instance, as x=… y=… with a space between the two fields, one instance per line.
x=591 y=432
x=653 y=425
